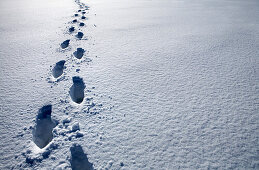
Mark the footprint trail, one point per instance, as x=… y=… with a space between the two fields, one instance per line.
x=47 y=133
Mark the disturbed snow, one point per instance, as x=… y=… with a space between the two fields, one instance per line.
x=139 y=85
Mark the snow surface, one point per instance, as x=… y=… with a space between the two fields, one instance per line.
x=166 y=84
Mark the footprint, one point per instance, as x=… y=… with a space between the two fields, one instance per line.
x=71 y=29
x=81 y=24
x=74 y=21
x=65 y=44
x=83 y=17
x=79 y=53
x=79 y=160
x=76 y=15
x=42 y=133
x=58 y=69
x=79 y=10
x=77 y=90
x=80 y=35
x=83 y=12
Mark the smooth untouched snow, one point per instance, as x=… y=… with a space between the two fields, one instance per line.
x=162 y=84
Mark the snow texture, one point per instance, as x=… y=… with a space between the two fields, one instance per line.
x=163 y=84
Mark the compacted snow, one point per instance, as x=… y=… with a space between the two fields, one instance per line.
x=129 y=84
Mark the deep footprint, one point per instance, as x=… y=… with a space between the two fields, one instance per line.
x=79 y=53
x=74 y=21
x=80 y=35
x=71 y=29
x=42 y=133
x=77 y=90
x=83 y=17
x=57 y=71
x=79 y=160
x=65 y=44
x=81 y=24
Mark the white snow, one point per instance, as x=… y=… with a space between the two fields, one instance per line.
x=162 y=84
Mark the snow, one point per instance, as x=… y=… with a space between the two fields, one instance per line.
x=149 y=84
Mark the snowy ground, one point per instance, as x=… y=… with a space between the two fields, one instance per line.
x=162 y=84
